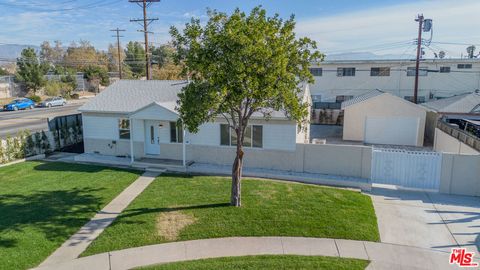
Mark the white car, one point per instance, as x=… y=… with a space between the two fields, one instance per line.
x=52 y=102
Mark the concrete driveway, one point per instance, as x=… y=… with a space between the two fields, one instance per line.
x=427 y=220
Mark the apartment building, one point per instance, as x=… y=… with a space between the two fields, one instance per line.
x=337 y=81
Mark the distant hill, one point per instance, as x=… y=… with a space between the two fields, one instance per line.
x=12 y=51
x=366 y=56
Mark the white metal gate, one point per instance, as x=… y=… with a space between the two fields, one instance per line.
x=406 y=168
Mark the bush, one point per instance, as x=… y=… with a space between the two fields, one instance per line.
x=74 y=96
x=35 y=98
x=53 y=88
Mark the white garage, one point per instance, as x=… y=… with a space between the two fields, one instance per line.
x=381 y=118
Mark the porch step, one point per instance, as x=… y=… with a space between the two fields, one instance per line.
x=158 y=167
x=156 y=170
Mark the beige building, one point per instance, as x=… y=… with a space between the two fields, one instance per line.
x=382 y=118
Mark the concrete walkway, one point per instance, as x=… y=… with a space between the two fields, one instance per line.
x=427 y=220
x=78 y=242
x=382 y=256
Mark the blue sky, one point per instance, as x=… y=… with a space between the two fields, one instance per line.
x=338 y=26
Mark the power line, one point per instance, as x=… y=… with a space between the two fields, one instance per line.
x=145 y=22
x=47 y=8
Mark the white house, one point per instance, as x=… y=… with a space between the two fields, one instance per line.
x=382 y=118
x=138 y=119
x=337 y=81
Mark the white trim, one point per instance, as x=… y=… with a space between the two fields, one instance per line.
x=184 y=150
x=132 y=153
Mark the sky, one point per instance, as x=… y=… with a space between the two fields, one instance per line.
x=339 y=26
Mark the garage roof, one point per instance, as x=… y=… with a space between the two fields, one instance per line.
x=362 y=98
x=465 y=103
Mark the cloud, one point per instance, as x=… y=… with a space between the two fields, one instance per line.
x=367 y=30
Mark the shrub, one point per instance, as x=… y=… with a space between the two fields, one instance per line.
x=75 y=96
x=45 y=143
x=38 y=141
x=35 y=98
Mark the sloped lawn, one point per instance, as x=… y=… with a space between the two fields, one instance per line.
x=266 y=262
x=180 y=207
x=43 y=204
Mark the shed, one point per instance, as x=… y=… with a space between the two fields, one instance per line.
x=382 y=118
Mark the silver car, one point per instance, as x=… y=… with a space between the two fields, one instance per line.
x=52 y=102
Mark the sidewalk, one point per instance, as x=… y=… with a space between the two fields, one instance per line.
x=78 y=242
x=308 y=178
x=382 y=256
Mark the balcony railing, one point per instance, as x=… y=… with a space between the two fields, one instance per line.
x=461 y=135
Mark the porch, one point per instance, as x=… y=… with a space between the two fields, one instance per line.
x=156 y=138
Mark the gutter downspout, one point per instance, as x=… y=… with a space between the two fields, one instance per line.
x=184 y=151
x=132 y=158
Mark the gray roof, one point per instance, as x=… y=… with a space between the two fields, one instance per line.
x=126 y=96
x=465 y=103
x=362 y=98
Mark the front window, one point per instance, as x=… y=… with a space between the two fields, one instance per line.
x=464 y=66
x=422 y=71
x=253 y=136
x=379 y=71
x=176 y=133
x=444 y=69
x=345 y=72
x=124 y=128
x=317 y=72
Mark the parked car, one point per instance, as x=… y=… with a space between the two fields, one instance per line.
x=19 y=104
x=52 y=102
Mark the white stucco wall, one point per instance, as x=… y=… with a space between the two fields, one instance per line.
x=101 y=130
x=384 y=105
x=448 y=144
x=101 y=126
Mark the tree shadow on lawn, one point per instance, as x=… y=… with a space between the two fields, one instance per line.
x=141 y=211
x=72 y=167
x=53 y=213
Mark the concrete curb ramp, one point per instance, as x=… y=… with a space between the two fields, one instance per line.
x=382 y=256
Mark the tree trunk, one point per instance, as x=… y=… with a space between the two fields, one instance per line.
x=237 y=178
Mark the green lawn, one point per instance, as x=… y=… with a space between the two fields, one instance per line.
x=266 y=262
x=176 y=208
x=43 y=204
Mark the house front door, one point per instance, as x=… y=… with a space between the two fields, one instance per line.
x=152 y=138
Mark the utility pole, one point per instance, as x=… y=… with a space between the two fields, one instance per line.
x=145 y=22
x=118 y=50
x=419 y=19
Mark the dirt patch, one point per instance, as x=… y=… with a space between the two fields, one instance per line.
x=170 y=224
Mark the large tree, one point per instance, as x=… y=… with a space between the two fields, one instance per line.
x=31 y=71
x=135 y=58
x=96 y=76
x=239 y=65
x=84 y=55
x=52 y=55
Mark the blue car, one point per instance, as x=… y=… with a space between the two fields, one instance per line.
x=19 y=104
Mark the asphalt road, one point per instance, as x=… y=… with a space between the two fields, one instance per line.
x=11 y=122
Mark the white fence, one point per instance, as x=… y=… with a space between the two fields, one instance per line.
x=406 y=168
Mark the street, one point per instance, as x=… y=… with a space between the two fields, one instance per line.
x=11 y=122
